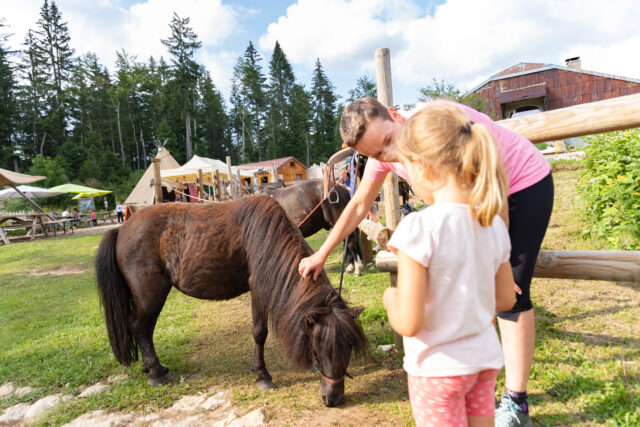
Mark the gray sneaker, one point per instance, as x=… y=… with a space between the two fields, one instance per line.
x=509 y=414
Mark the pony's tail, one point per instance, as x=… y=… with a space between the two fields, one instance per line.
x=116 y=299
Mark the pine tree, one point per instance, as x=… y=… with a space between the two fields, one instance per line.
x=281 y=88
x=50 y=43
x=215 y=137
x=248 y=105
x=365 y=86
x=9 y=152
x=325 y=122
x=182 y=45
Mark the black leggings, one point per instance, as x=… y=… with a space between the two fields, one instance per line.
x=529 y=213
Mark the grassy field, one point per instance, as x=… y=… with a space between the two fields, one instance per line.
x=586 y=369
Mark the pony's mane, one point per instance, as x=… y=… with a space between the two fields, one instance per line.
x=274 y=248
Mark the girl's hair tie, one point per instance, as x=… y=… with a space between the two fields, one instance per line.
x=467 y=126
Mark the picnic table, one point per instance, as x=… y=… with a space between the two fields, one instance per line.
x=31 y=222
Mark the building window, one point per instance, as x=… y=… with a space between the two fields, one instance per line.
x=298 y=177
x=292 y=164
x=525 y=111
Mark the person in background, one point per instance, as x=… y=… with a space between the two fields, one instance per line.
x=65 y=213
x=372 y=129
x=76 y=217
x=94 y=218
x=119 y=212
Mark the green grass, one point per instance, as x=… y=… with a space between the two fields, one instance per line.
x=586 y=368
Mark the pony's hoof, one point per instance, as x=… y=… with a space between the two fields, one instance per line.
x=349 y=268
x=160 y=380
x=265 y=385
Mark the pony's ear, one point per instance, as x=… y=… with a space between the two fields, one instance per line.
x=355 y=311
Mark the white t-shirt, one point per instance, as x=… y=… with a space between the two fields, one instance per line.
x=119 y=209
x=461 y=258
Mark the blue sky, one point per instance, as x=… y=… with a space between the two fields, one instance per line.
x=460 y=41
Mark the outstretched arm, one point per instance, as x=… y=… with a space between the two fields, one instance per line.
x=351 y=216
x=405 y=303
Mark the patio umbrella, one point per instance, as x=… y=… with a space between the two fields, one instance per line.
x=27 y=190
x=12 y=178
x=80 y=189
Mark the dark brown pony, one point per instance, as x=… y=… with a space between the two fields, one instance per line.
x=300 y=199
x=218 y=251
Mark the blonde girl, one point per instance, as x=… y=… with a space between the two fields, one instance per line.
x=453 y=268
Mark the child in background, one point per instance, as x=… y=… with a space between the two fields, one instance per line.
x=453 y=268
x=94 y=218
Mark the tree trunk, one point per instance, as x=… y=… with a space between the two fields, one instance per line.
x=306 y=138
x=144 y=150
x=135 y=141
x=120 y=131
x=44 y=137
x=188 y=130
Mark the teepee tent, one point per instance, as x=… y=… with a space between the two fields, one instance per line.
x=142 y=194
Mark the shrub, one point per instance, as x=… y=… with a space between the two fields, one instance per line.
x=610 y=188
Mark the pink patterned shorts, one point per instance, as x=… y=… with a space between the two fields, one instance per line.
x=446 y=401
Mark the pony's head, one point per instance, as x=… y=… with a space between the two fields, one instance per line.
x=334 y=334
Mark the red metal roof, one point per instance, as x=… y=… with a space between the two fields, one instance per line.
x=522 y=66
x=269 y=163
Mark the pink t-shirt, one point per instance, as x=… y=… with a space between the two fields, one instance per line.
x=523 y=162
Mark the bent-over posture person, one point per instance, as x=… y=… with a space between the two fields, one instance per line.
x=372 y=129
x=453 y=269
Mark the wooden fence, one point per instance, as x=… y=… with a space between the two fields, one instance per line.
x=578 y=120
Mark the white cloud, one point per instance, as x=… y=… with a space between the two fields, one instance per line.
x=220 y=65
x=105 y=27
x=461 y=41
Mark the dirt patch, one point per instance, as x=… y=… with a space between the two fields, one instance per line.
x=59 y=271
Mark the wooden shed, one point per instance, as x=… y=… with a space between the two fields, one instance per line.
x=289 y=169
x=541 y=87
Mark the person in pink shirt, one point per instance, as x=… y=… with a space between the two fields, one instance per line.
x=372 y=129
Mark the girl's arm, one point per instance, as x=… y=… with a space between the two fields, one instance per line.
x=505 y=295
x=405 y=303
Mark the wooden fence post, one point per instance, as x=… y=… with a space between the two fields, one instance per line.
x=231 y=189
x=390 y=186
x=157 y=181
x=200 y=186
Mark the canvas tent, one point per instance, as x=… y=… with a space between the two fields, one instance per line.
x=189 y=171
x=142 y=193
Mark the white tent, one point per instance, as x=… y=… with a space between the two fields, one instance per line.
x=142 y=194
x=189 y=171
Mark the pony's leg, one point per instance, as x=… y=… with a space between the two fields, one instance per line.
x=260 y=331
x=143 y=323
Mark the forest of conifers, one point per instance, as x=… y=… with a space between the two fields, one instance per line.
x=70 y=118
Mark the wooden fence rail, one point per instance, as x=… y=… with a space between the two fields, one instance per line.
x=613 y=266
x=578 y=120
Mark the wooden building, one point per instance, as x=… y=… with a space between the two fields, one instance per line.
x=288 y=169
x=541 y=87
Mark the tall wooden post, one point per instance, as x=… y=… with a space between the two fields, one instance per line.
x=216 y=180
x=385 y=96
x=390 y=186
x=200 y=186
x=239 y=183
x=275 y=172
x=157 y=181
x=231 y=190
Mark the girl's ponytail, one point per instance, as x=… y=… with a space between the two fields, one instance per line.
x=482 y=168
